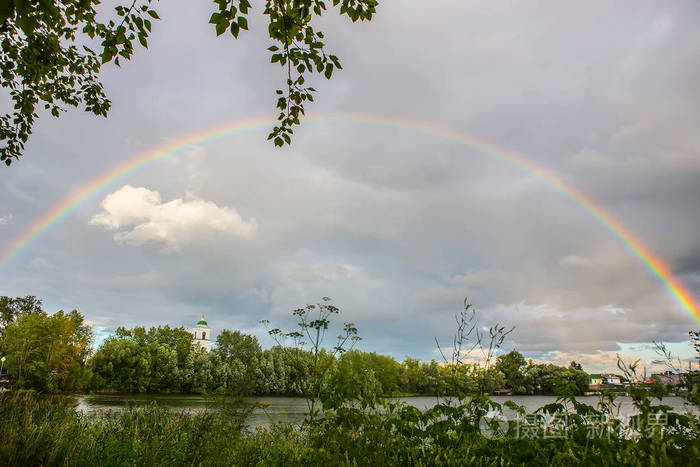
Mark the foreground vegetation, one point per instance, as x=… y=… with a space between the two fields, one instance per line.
x=46 y=430
x=348 y=422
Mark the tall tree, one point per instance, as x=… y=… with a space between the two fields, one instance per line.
x=48 y=352
x=235 y=345
x=512 y=365
x=138 y=360
x=241 y=353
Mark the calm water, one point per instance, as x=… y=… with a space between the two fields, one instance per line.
x=293 y=409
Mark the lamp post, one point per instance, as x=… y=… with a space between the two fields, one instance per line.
x=2 y=364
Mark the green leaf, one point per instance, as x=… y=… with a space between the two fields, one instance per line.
x=235 y=29
x=221 y=27
x=6 y=10
x=243 y=22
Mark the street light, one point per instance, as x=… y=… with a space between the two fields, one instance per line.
x=2 y=364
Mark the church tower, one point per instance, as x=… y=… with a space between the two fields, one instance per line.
x=202 y=334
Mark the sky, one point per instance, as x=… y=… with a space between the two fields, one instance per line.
x=396 y=225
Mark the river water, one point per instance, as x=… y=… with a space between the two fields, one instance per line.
x=293 y=409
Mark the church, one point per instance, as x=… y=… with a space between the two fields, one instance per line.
x=202 y=335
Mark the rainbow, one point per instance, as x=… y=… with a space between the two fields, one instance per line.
x=68 y=205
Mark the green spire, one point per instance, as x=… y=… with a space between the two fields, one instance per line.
x=202 y=322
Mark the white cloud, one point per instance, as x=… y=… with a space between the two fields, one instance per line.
x=140 y=216
x=5 y=219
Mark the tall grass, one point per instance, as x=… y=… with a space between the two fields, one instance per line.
x=47 y=430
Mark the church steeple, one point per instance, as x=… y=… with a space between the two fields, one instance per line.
x=202 y=334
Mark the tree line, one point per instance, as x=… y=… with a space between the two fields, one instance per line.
x=53 y=353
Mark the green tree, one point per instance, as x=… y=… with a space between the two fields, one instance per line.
x=122 y=365
x=692 y=378
x=235 y=345
x=432 y=383
x=47 y=352
x=345 y=383
x=546 y=378
x=384 y=368
x=578 y=377
x=155 y=360
x=10 y=307
x=53 y=52
x=284 y=371
x=411 y=376
x=511 y=365
x=240 y=353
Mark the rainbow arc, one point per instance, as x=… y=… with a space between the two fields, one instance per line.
x=53 y=216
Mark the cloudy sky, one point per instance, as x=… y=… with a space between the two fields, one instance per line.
x=397 y=226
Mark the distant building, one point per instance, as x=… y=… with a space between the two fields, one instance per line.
x=202 y=334
x=609 y=378
x=604 y=381
x=595 y=380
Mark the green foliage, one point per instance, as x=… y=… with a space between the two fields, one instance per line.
x=512 y=365
x=241 y=354
x=300 y=49
x=469 y=367
x=382 y=368
x=359 y=428
x=314 y=322
x=47 y=431
x=691 y=379
x=41 y=65
x=53 y=51
x=543 y=378
x=46 y=352
x=12 y=307
x=235 y=345
x=162 y=359
x=348 y=384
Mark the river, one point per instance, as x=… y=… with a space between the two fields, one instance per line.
x=293 y=409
